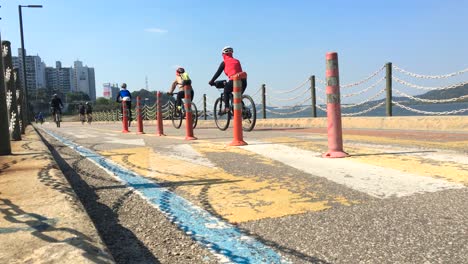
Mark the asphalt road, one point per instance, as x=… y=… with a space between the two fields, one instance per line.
x=399 y=198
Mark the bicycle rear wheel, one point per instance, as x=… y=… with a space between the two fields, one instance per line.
x=129 y=117
x=194 y=115
x=57 y=119
x=176 y=116
x=249 y=113
x=221 y=119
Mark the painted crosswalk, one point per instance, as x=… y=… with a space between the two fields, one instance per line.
x=373 y=180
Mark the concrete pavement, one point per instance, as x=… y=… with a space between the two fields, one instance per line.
x=400 y=197
x=41 y=219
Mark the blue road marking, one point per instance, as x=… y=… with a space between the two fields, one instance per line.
x=219 y=236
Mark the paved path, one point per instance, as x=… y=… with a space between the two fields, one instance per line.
x=41 y=220
x=400 y=197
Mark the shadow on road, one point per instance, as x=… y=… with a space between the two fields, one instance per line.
x=40 y=225
x=123 y=244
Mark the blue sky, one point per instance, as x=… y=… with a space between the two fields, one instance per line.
x=280 y=43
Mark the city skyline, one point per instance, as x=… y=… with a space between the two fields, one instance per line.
x=77 y=78
x=279 y=44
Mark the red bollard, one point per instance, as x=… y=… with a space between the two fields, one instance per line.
x=140 y=120
x=124 y=117
x=159 y=118
x=335 y=133
x=188 y=113
x=237 y=107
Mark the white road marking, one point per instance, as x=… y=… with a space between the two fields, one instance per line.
x=438 y=155
x=186 y=152
x=136 y=142
x=81 y=134
x=433 y=154
x=374 y=180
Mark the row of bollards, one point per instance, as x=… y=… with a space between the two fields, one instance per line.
x=335 y=138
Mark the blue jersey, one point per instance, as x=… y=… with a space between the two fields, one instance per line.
x=125 y=93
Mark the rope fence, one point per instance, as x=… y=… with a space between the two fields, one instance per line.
x=374 y=98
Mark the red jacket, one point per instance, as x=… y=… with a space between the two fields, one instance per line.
x=231 y=65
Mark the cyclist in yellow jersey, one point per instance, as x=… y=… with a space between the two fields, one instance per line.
x=182 y=78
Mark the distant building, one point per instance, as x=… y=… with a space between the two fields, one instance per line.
x=110 y=91
x=35 y=72
x=84 y=80
x=59 y=78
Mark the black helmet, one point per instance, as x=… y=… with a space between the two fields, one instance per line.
x=180 y=70
x=124 y=85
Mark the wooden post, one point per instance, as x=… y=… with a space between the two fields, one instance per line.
x=313 y=97
x=204 y=105
x=264 y=101
x=389 y=88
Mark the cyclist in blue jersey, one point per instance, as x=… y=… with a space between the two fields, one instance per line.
x=124 y=95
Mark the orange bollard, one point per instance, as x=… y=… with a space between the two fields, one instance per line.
x=124 y=117
x=335 y=133
x=188 y=113
x=140 y=120
x=159 y=118
x=237 y=106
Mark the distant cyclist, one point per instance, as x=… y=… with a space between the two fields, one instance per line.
x=82 y=111
x=56 y=106
x=124 y=95
x=230 y=66
x=89 y=112
x=39 y=118
x=182 y=78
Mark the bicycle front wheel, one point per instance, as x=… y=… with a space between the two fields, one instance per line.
x=176 y=116
x=221 y=119
x=194 y=115
x=249 y=113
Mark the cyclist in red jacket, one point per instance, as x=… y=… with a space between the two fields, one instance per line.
x=230 y=66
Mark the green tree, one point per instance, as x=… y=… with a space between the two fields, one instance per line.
x=74 y=97
x=104 y=104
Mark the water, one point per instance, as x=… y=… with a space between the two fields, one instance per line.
x=380 y=111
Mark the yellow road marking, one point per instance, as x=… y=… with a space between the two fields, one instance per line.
x=235 y=198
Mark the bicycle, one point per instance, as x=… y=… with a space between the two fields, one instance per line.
x=222 y=119
x=127 y=113
x=82 y=119
x=177 y=115
x=56 y=114
x=89 y=119
x=129 y=117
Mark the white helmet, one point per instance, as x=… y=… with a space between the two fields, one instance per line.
x=227 y=49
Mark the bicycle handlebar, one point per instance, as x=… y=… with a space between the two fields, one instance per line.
x=220 y=84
